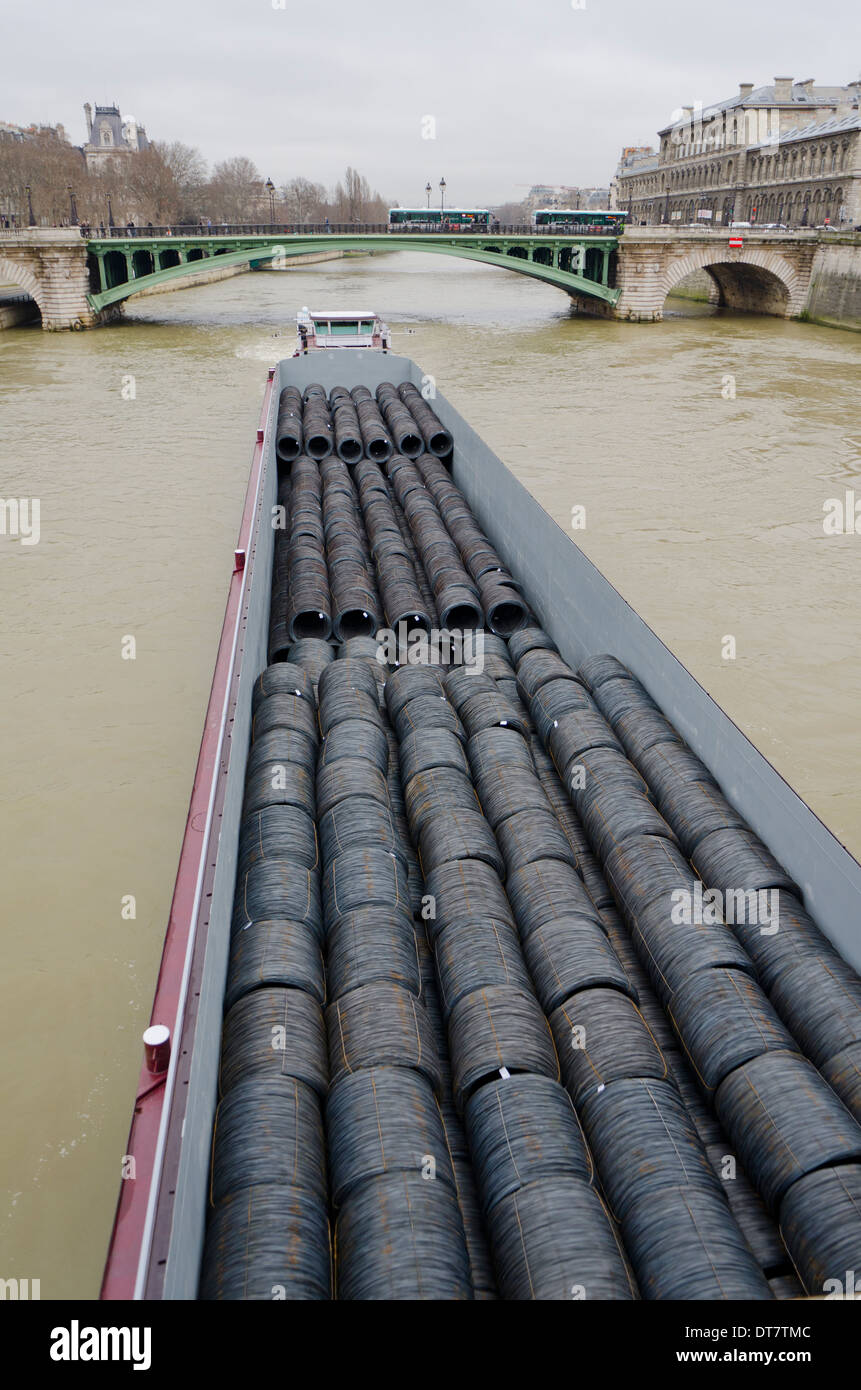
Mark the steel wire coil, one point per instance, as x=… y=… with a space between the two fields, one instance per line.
x=737 y=859
x=602 y=1037
x=381 y=1024
x=284 y=711
x=820 y=1001
x=364 y=877
x=641 y=728
x=283 y=745
x=595 y=670
x=593 y=880
x=574 y=733
x=666 y=766
x=265 y=1242
x=496 y=748
x=354 y=705
x=465 y=890
x=505 y=611
x=274 y=1031
x=546 y=890
x=530 y=835
x=408 y=683
x=486 y=711
x=748 y=1208
x=458 y=832
x=384 y=1120
x=843 y=1074
x=312 y=655
x=707 y=1126
x=369 y=944
x=275 y=951
x=724 y=1019
x=684 y=1243
x=399 y=1237
x=428 y=712
x=431 y=748
x=494 y=1028
x=378 y=443
x=278 y=888
x=268 y=1131
x=784 y=1121
x=653 y=1013
x=645 y=868
x=436 y=437
x=506 y=790
x=475 y=955
x=426 y=792
x=346 y=778
x=523 y=1129
x=317 y=427
x=612 y=814
x=355 y=738
x=673 y=950
x=348 y=676
x=529 y=639
x=282 y=678
x=277 y=783
x=359 y=823
x=540 y=666
x=620 y=695
x=288 y=428
x=364 y=648
x=461 y=683
x=349 y=445
x=570 y=954
x=399 y=422
x=555 y=699
x=644 y=1141
x=277 y=832
x=797 y=939
x=695 y=810
x=604 y=769
x=820 y=1221
x=553 y=1240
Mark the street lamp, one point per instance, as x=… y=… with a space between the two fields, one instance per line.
x=442 y=195
x=270 y=189
x=73 y=211
x=428 y=191
x=32 y=220
x=111 y=222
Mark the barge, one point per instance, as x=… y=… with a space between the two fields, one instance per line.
x=524 y=977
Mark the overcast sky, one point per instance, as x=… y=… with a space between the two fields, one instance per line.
x=521 y=91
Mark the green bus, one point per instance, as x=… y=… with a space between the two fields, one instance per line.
x=586 y=220
x=437 y=220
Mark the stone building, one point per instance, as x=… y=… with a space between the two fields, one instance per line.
x=111 y=136
x=786 y=154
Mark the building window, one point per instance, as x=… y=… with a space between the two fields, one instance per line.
x=107 y=136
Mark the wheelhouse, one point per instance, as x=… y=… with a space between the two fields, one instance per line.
x=331 y=328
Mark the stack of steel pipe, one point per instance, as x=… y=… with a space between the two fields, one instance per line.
x=268 y=1232
x=396 y=575
x=549 y=1232
x=377 y=441
x=319 y=435
x=436 y=437
x=355 y=601
x=308 y=598
x=399 y=422
x=399 y=1229
x=455 y=595
x=349 y=445
x=804 y=998
x=504 y=607
x=288 y=429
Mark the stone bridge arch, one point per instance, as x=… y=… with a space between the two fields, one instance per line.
x=755 y=279
x=16 y=273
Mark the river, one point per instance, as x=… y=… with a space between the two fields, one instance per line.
x=702 y=449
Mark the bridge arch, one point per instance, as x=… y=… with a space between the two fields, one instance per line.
x=757 y=280
x=16 y=274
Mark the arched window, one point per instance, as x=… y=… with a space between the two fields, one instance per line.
x=107 y=135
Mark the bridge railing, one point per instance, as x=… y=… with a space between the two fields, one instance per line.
x=278 y=229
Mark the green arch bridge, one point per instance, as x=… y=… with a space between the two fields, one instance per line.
x=122 y=265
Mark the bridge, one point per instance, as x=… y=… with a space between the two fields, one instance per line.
x=79 y=282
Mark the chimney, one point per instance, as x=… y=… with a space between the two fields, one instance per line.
x=783 y=89
x=744 y=90
x=807 y=87
x=88 y=114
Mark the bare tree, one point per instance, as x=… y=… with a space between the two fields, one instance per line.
x=235 y=191
x=303 y=200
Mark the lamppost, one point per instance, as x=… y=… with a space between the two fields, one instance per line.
x=73 y=211
x=442 y=195
x=111 y=222
x=270 y=189
x=32 y=220
x=428 y=191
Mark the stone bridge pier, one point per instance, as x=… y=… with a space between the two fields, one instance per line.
x=769 y=274
x=50 y=264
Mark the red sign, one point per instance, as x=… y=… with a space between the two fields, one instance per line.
x=736 y=242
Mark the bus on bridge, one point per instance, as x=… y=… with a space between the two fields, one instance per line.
x=585 y=220
x=438 y=220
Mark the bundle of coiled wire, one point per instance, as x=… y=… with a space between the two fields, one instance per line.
x=268 y=1130
x=455 y=594
x=372 y=944
x=317 y=423
x=265 y=1242
x=399 y=587
x=355 y=601
x=399 y=422
x=275 y=1032
x=308 y=599
x=497 y=1028
x=349 y=445
x=819 y=1223
x=600 y=1037
x=275 y=951
x=288 y=428
x=375 y=436
x=436 y=437
x=522 y=1129
x=475 y=955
